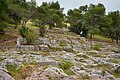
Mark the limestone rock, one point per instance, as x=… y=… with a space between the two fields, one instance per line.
x=43 y=47
x=4 y=75
x=116 y=69
x=77 y=48
x=44 y=41
x=68 y=48
x=26 y=47
x=72 y=77
x=51 y=73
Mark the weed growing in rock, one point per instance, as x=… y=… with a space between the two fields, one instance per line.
x=13 y=68
x=66 y=67
x=1 y=59
x=96 y=47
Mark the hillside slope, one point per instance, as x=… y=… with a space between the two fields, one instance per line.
x=63 y=56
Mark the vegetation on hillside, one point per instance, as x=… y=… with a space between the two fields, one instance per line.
x=86 y=20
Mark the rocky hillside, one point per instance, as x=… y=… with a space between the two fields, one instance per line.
x=61 y=56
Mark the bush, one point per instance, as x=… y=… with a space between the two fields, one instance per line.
x=3 y=25
x=97 y=47
x=66 y=67
x=13 y=68
x=23 y=31
x=30 y=35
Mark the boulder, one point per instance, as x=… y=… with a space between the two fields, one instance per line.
x=44 y=41
x=51 y=73
x=68 y=48
x=77 y=48
x=80 y=71
x=116 y=69
x=26 y=47
x=54 y=43
x=43 y=47
x=72 y=77
x=54 y=72
x=68 y=56
x=5 y=75
x=98 y=74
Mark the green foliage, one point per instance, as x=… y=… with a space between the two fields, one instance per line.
x=13 y=68
x=4 y=18
x=55 y=5
x=30 y=35
x=75 y=18
x=96 y=47
x=114 y=29
x=89 y=19
x=23 y=31
x=117 y=75
x=104 y=38
x=63 y=44
x=49 y=14
x=115 y=61
x=66 y=65
x=1 y=59
x=94 y=31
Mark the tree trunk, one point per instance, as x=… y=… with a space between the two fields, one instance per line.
x=2 y=31
x=117 y=40
x=112 y=39
x=24 y=23
x=117 y=37
x=50 y=27
x=16 y=25
x=90 y=36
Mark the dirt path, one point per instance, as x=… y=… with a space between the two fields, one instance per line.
x=8 y=40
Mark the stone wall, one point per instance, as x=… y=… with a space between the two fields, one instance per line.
x=39 y=44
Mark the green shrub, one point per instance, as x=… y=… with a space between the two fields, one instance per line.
x=13 y=69
x=1 y=59
x=97 y=47
x=23 y=31
x=63 y=44
x=3 y=25
x=66 y=67
x=30 y=35
x=117 y=75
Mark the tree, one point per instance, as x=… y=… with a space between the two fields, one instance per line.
x=54 y=5
x=49 y=14
x=14 y=7
x=114 y=29
x=28 y=12
x=4 y=18
x=53 y=19
x=76 y=18
x=41 y=18
x=55 y=14
x=21 y=10
x=94 y=15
